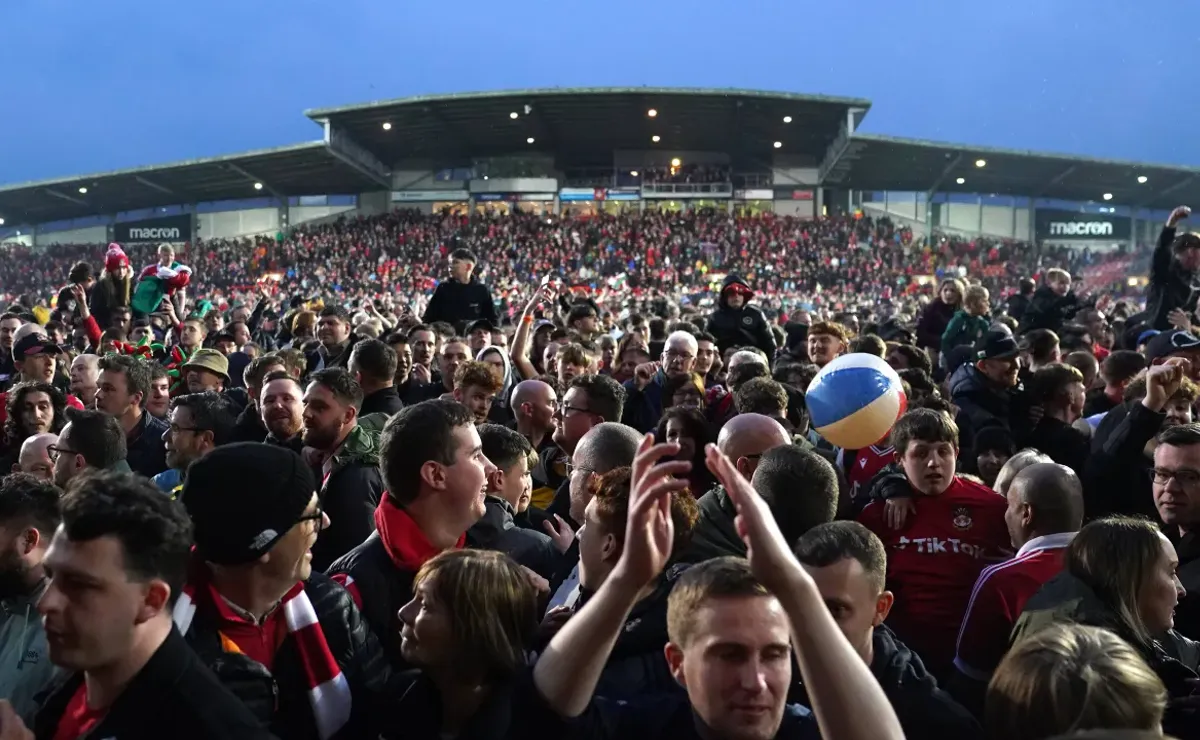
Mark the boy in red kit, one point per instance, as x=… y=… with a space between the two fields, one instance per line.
x=953 y=529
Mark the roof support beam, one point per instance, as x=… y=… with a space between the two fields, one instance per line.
x=1168 y=190
x=64 y=196
x=344 y=148
x=937 y=182
x=1070 y=170
x=838 y=146
x=153 y=185
x=255 y=179
x=545 y=134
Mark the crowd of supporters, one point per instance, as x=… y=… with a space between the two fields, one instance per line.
x=517 y=477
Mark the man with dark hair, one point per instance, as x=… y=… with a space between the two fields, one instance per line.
x=347 y=460
x=134 y=675
x=434 y=471
x=476 y=384
x=35 y=357
x=249 y=426
x=283 y=410
x=28 y=517
x=91 y=440
x=33 y=408
x=706 y=356
x=1059 y=390
x=424 y=342
x=373 y=365
x=762 y=396
x=199 y=423
x=158 y=403
x=1176 y=495
x=1117 y=370
x=254 y=606
x=461 y=299
x=1043 y=348
x=799 y=486
x=123 y=386
x=849 y=566
x=1045 y=510
x=941 y=531
x=744 y=440
x=590 y=400
x=508 y=491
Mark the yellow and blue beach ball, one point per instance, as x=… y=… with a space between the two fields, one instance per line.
x=854 y=400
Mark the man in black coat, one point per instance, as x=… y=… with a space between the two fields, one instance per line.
x=736 y=324
x=373 y=366
x=257 y=600
x=131 y=673
x=849 y=564
x=461 y=299
x=1173 y=273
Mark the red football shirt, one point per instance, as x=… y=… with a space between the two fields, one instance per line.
x=934 y=561
x=78 y=720
x=997 y=600
x=865 y=464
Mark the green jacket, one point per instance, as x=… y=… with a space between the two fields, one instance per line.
x=360 y=445
x=964 y=329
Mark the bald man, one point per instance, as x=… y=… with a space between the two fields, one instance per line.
x=1045 y=510
x=533 y=404
x=743 y=439
x=644 y=402
x=85 y=376
x=606 y=447
x=34 y=457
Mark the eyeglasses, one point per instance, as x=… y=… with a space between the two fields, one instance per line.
x=1184 y=477
x=176 y=429
x=572 y=467
x=681 y=356
x=317 y=516
x=54 y=451
x=567 y=409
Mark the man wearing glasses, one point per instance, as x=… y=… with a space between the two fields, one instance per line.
x=253 y=607
x=199 y=423
x=91 y=440
x=1175 y=480
x=644 y=406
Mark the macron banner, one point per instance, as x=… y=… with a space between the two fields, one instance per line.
x=1074 y=226
x=169 y=229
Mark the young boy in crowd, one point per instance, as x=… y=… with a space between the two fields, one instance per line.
x=970 y=322
x=475 y=386
x=940 y=531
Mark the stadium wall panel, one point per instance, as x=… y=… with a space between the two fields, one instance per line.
x=238 y=223
x=87 y=235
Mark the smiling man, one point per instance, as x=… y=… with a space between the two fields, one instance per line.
x=247 y=606
x=436 y=477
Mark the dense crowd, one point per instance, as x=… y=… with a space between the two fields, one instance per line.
x=518 y=477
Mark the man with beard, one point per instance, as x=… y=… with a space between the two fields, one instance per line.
x=199 y=423
x=1117 y=473
x=28 y=518
x=124 y=385
x=454 y=352
x=282 y=410
x=254 y=607
x=35 y=457
x=85 y=374
x=424 y=343
x=346 y=460
x=33 y=408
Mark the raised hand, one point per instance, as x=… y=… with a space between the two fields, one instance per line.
x=560 y=533
x=770 y=555
x=1178 y=215
x=649 y=530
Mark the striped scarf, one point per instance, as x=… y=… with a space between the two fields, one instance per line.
x=328 y=689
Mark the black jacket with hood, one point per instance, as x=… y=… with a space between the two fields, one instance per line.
x=714 y=535
x=740 y=327
x=981 y=404
x=1116 y=475
x=1049 y=310
x=1170 y=286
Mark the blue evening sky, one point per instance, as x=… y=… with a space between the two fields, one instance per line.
x=91 y=86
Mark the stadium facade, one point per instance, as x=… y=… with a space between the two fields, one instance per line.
x=596 y=149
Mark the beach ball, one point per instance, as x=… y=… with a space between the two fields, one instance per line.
x=854 y=400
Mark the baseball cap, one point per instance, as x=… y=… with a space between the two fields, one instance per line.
x=996 y=345
x=34 y=344
x=1168 y=343
x=481 y=324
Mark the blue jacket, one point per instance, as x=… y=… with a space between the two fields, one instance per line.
x=25 y=667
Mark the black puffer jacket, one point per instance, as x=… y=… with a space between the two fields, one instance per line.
x=497 y=531
x=280 y=697
x=1116 y=475
x=383 y=587
x=740 y=327
x=981 y=404
x=1170 y=287
x=1049 y=310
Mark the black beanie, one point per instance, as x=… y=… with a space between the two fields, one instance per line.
x=243 y=497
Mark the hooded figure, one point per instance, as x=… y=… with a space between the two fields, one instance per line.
x=500 y=413
x=113 y=289
x=736 y=324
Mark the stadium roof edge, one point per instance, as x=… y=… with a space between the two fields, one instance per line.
x=158 y=168
x=1001 y=151
x=317 y=113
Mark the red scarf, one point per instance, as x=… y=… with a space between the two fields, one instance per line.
x=328 y=689
x=405 y=543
